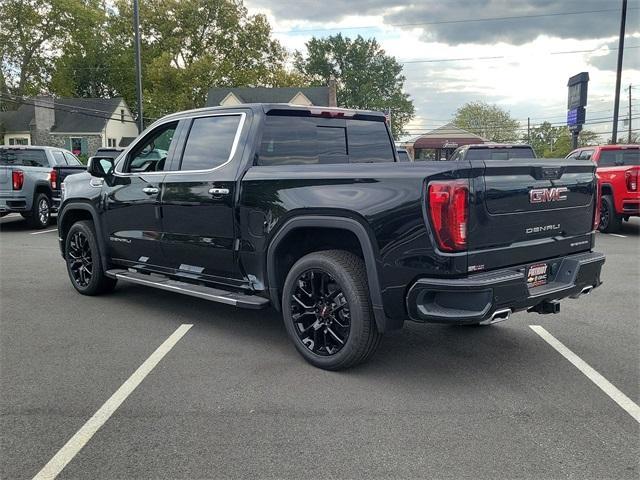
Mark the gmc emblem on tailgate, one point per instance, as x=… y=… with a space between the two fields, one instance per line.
x=542 y=195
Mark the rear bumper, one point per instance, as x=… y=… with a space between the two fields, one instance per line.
x=476 y=298
x=631 y=207
x=13 y=203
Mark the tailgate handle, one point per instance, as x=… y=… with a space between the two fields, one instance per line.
x=548 y=173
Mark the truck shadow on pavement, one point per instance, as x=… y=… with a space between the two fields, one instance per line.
x=444 y=352
x=19 y=224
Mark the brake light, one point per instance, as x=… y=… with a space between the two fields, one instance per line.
x=596 y=210
x=17 y=177
x=449 y=212
x=631 y=179
x=53 y=179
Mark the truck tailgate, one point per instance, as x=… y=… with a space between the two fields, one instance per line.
x=526 y=210
x=5 y=177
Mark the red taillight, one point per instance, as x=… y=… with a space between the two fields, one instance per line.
x=631 y=178
x=53 y=179
x=17 y=176
x=449 y=212
x=596 y=210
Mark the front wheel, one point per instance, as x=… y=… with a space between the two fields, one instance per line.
x=327 y=312
x=83 y=260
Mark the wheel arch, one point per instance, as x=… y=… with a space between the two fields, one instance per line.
x=75 y=212
x=606 y=189
x=323 y=222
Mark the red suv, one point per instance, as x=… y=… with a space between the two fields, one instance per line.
x=618 y=171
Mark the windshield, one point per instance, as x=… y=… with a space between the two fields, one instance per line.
x=499 y=153
x=612 y=158
x=23 y=158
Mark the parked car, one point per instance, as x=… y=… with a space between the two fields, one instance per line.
x=30 y=179
x=303 y=209
x=403 y=155
x=618 y=171
x=493 y=151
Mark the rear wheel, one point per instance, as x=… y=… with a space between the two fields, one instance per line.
x=83 y=260
x=610 y=221
x=327 y=312
x=40 y=214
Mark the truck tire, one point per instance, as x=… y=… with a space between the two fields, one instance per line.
x=327 y=311
x=40 y=214
x=82 y=256
x=610 y=221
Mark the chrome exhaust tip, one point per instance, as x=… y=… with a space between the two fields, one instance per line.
x=498 y=316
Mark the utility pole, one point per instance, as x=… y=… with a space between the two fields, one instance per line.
x=528 y=130
x=616 y=105
x=629 y=138
x=136 y=30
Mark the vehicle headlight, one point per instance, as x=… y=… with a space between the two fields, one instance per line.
x=63 y=190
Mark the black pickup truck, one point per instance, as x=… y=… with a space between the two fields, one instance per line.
x=307 y=210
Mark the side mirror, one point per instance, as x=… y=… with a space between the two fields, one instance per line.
x=100 y=167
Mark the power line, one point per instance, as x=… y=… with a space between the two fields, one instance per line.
x=58 y=108
x=444 y=22
x=504 y=57
x=64 y=107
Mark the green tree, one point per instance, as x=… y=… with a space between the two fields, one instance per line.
x=189 y=46
x=555 y=141
x=366 y=76
x=88 y=61
x=488 y=121
x=31 y=35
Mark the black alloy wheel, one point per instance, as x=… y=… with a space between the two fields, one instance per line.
x=605 y=215
x=80 y=259
x=320 y=313
x=327 y=311
x=84 y=264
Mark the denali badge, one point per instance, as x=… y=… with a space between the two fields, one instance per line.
x=542 y=195
x=542 y=228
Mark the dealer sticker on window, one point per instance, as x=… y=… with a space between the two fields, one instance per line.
x=537 y=274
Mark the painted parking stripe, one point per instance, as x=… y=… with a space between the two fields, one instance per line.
x=44 y=231
x=82 y=436
x=617 y=235
x=607 y=387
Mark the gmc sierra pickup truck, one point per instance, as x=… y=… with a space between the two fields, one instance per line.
x=618 y=169
x=30 y=179
x=307 y=210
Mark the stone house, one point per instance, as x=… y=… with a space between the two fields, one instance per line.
x=81 y=125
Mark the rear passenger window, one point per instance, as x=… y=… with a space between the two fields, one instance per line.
x=291 y=140
x=209 y=142
x=368 y=142
x=71 y=160
x=58 y=158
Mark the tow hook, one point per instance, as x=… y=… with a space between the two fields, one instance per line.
x=546 y=307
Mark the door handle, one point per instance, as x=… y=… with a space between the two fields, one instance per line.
x=219 y=191
x=150 y=190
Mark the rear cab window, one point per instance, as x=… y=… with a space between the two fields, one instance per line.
x=499 y=153
x=300 y=140
x=23 y=157
x=616 y=158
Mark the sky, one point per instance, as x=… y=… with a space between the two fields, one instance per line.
x=518 y=54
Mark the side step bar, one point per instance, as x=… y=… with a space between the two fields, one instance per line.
x=206 y=293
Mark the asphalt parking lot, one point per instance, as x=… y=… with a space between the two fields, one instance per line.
x=232 y=398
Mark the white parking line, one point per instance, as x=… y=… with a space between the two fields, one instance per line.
x=82 y=436
x=617 y=235
x=607 y=387
x=44 y=231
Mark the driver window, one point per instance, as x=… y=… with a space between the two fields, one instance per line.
x=150 y=155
